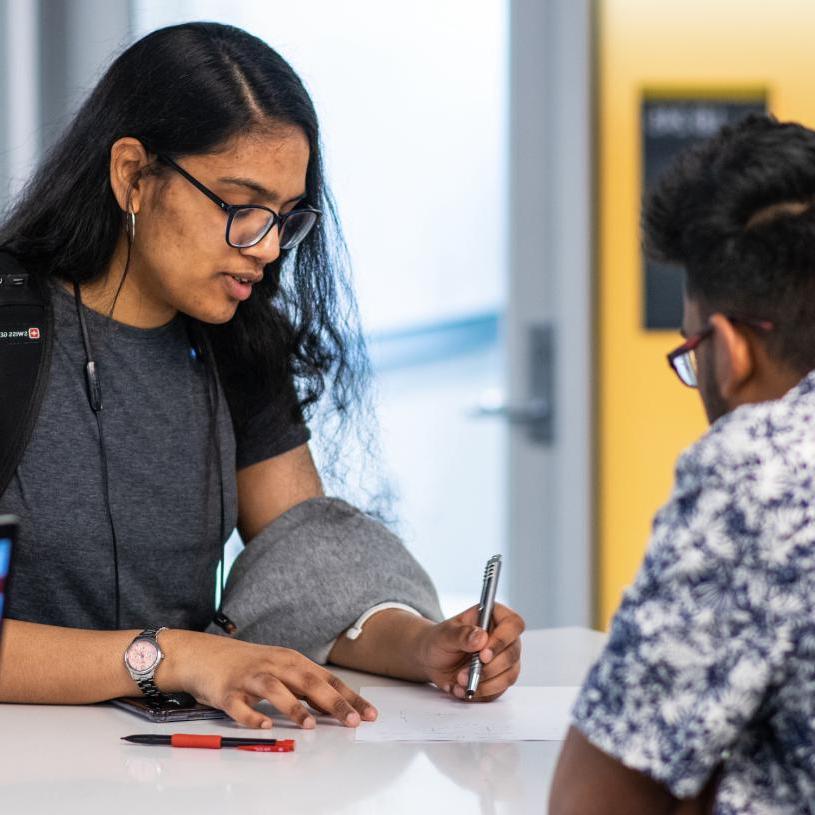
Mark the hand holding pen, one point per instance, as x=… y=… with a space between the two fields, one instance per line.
x=449 y=646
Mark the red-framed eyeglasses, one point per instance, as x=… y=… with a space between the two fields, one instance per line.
x=683 y=359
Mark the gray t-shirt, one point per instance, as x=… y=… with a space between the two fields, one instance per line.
x=165 y=495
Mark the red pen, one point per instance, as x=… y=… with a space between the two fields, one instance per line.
x=215 y=742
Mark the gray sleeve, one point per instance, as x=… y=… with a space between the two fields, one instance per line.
x=310 y=574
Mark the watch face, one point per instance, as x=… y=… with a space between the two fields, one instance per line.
x=141 y=656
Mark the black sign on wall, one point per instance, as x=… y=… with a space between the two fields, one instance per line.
x=668 y=126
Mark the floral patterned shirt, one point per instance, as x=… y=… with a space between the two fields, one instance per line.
x=711 y=656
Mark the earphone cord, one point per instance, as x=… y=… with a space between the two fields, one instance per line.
x=95 y=399
x=104 y=459
x=212 y=398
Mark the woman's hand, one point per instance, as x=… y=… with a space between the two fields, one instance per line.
x=445 y=650
x=234 y=676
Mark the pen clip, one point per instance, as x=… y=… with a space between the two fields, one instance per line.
x=491 y=572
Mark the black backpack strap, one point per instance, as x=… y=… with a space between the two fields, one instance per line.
x=26 y=329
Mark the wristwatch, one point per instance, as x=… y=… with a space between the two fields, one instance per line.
x=142 y=658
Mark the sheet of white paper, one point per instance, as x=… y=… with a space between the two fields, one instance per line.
x=424 y=713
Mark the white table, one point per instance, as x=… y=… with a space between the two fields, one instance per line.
x=71 y=760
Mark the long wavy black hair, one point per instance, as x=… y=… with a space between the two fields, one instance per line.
x=183 y=90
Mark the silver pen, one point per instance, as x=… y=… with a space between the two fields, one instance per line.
x=485 y=606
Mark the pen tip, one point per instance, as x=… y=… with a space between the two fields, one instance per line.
x=469 y=694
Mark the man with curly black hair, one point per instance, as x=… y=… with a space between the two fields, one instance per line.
x=704 y=698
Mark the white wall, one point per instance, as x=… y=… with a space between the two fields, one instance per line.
x=411 y=99
x=19 y=93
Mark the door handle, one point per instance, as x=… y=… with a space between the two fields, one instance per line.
x=537 y=412
x=531 y=412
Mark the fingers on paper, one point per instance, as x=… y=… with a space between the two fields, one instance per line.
x=326 y=692
x=362 y=707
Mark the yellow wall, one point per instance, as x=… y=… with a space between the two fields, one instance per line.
x=645 y=416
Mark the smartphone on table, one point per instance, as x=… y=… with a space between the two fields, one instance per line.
x=175 y=707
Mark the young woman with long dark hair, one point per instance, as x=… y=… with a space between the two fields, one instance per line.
x=182 y=226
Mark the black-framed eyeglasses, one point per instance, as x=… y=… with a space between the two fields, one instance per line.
x=248 y=224
x=683 y=358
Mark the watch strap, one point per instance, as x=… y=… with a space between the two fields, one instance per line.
x=149 y=689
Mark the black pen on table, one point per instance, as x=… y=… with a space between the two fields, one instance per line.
x=485 y=607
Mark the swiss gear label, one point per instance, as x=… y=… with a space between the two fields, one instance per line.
x=29 y=333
